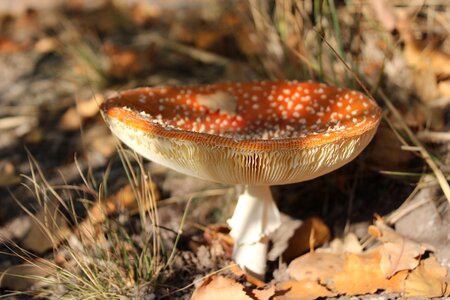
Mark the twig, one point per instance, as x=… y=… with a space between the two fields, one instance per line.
x=195 y=53
x=433 y=136
x=421 y=149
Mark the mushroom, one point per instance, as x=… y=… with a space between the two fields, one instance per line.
x=255 y=134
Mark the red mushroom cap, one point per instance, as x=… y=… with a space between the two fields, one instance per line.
x=266 y=132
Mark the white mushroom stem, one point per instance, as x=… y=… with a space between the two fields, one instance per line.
x=255 y=218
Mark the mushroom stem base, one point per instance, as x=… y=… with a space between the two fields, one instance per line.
x=255 y=218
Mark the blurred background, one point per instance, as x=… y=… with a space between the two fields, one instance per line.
x=60 y=167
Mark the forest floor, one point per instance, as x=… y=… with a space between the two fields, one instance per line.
x=83 y=217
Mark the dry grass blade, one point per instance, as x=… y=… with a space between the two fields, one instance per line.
x=195 y=53
x=101 y=260
x=422 y=150
x=398 y=117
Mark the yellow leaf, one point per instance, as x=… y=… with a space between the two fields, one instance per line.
x=218 y=287
x=361 y=274
x=427 y=280
x=312 y=233
x=398 y=252
x=316 y=266
x=302 y=290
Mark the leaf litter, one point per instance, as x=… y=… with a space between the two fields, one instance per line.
x=394 y=266
x=398 y=252
x=418 y=88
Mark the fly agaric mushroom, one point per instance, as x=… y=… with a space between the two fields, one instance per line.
x=255 y=134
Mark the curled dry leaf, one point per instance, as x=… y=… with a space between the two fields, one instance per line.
x=398 y=252
x=218 y=287
x=22 y=277
x=302 y=290
x=316 y=266
x=48 y=228
x=361 y=275
x=428 y=280
x=313 y=232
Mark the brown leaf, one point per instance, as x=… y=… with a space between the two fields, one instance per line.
x=123 y=63
x=206 y=39
x=361 y=274
x=302 y=290
x=48 y=228
x=398 y=252
x=122 y=199
x=73 y=118
x=427 y=280
x=236 y=270
x=386 y=152
x=316 y=266
x=312 y=233
x=265 y=294
x=218 y=287
x=22 y=277
x=8 y=46
x=220 y=233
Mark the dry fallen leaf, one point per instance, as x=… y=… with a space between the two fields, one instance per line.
x=8 y=46
x=22 y=277
x=361 y=275
x=281 y=238
x=122 y=199
x=386 y=152
x=125 y=62
x=218 y=287
x=312 y=233
x=48 y=228
x=427 y=280
x=73 y=118
x=302 y=290
x=398 y=252
x=427 y=59
x=316 y=266
x=236 y=270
